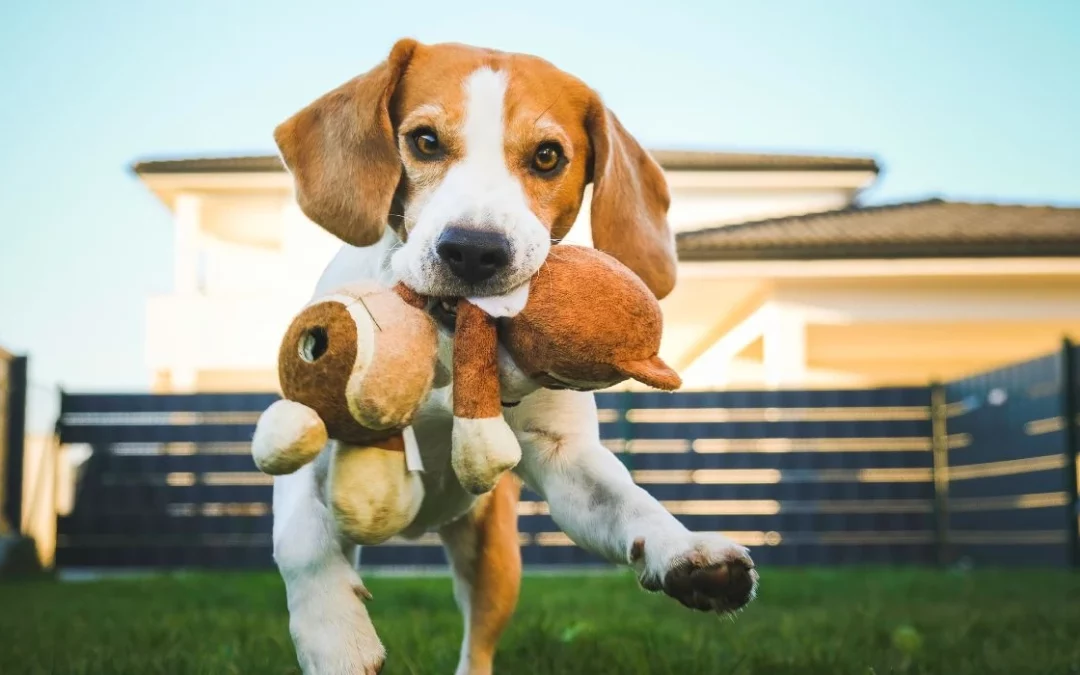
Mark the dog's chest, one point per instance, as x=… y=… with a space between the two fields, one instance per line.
x=444 y=498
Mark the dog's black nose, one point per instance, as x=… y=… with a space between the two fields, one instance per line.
x=473 y=255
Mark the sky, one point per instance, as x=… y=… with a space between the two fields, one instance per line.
x=967 y=100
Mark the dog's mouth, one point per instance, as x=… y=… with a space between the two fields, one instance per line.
x=445 y=313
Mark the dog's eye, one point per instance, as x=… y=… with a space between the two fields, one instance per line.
x=424 y=143
x=548 y=158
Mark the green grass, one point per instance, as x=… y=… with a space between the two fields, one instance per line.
x=805 y=621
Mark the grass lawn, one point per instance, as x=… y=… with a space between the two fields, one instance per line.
x=805 y=621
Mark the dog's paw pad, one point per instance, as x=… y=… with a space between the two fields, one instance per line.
x=722 y=587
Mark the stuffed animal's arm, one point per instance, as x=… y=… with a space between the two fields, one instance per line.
x=484 y=447
x=287 y=436
x=476 y=364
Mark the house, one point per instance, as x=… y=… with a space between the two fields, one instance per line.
x=785 y=281
x=888 y=295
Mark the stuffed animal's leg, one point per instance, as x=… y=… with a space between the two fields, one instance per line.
x=484 y=447
x=372 y=493
x=287 y=436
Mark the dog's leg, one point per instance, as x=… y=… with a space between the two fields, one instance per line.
x=483 y=550
x=595 y=501
x=329 y=624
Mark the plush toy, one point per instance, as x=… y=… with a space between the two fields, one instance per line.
x=354 y=366
x=587 y=323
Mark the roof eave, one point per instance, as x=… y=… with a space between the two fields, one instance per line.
x=257 y=163
x=869 y=167
x=886 y=252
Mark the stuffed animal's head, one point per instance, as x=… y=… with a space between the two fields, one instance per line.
x=362 y=358
x=589 y=323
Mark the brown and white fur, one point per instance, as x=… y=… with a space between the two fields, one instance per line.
x=357 y=169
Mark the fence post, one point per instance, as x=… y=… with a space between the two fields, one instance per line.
x=625 y=402
x=1069 y=411
x=15 y=438
x=940 y=446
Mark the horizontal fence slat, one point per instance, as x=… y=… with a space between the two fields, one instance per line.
x=153 y=525
x=94 y=498
x=867 y=428
x=992 y=520
x=898 y=396
x=1051 y=480
x=791 y=491
x=790 y=461
x=160 y=557
x=156 y=433
x=165 y=403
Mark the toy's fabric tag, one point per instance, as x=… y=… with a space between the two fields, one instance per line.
x=412 y=450
x=505 y=305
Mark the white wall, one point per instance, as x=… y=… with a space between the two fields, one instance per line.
x=695 y=209
x=247 y=259
x=861 y=331
x=700 y=207
x=932 y=300
x=255 y=262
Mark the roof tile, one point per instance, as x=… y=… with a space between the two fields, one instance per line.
x=925 y=229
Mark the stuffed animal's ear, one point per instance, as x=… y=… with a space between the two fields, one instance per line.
x=629 y=202
x=652 y=372
x=343 y=155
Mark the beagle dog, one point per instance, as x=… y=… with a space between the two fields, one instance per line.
x=455 y=169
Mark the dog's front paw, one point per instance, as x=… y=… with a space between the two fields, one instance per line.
x=331 y=630
x=325 y=648
x=707 y=572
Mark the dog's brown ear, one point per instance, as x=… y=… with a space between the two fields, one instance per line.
x=342 y=153
x=629 y=202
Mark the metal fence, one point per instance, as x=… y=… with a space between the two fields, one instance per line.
x=977 y=469
x=1011 y=474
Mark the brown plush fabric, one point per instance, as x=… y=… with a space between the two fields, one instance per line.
x=476 y=367
x=320 y=385
x=395 y=443
x=396 y=381
x=589 y=321
x=410 y=296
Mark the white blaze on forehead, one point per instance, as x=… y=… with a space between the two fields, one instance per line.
x=485 y=91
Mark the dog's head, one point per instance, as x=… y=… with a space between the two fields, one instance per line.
x=479 y=160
